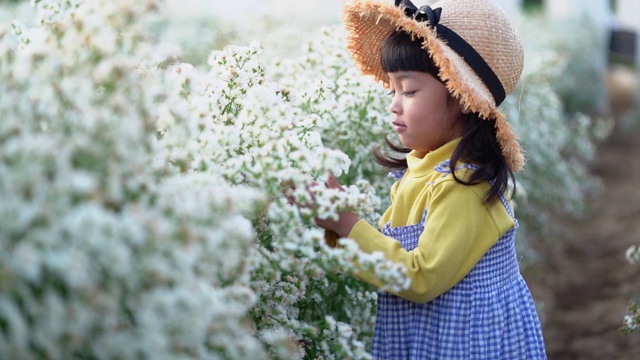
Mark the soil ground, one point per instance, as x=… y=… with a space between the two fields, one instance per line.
x=582 y=281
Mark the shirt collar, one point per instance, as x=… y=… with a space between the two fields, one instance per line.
x=419 y=167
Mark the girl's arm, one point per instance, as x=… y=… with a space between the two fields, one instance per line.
x=459 y=230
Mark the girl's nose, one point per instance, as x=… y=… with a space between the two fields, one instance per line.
x=394 y=107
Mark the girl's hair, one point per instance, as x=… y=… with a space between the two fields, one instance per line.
x=478 y=146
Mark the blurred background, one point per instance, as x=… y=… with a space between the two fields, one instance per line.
x=575 y=262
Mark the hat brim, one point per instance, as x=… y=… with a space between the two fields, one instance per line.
x=369 y=23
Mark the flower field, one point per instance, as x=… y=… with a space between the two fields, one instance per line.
x=142 y=178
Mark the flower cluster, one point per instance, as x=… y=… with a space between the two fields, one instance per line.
x=257 y=132
x=631 y=321
x=106 y=250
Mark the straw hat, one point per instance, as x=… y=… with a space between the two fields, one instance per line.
x=474 y=44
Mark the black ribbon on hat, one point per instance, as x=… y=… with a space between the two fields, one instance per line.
x=456 y=43
x=424 y=13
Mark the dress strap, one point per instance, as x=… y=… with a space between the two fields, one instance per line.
x=506 y=204
x=397 y=174
x=445 y=167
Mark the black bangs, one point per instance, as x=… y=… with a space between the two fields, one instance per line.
x=401 y=53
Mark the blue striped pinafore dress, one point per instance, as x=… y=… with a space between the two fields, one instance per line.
x=489 y=314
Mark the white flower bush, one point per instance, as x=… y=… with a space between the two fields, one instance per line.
x=143 y=212
x=145 y=198
x=108 y=251
x=262 y=134
x=557 y=128
x=631 y=320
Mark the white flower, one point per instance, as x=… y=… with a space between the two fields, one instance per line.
x=630 y=322
x=633 y=254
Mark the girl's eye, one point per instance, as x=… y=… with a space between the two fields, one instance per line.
x=404 y=93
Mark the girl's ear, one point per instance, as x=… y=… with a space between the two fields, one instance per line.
x=457 y=103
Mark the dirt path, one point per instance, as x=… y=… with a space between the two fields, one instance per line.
x=583 y=282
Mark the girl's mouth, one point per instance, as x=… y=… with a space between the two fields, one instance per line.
x=399 y=127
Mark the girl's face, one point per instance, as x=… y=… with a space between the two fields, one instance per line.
x=423 y=112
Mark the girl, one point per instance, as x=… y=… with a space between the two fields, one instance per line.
x=450 y=222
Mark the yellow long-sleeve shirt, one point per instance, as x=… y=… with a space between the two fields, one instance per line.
x=459 y=228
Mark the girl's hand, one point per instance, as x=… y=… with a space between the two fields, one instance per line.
x=334 y=229
x=346 y=220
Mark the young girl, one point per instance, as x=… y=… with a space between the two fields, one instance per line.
x=451 y=222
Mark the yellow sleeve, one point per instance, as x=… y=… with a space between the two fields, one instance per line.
x=459 y=229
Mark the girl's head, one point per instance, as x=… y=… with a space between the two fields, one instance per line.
x=469 y=45
x=426 y=116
